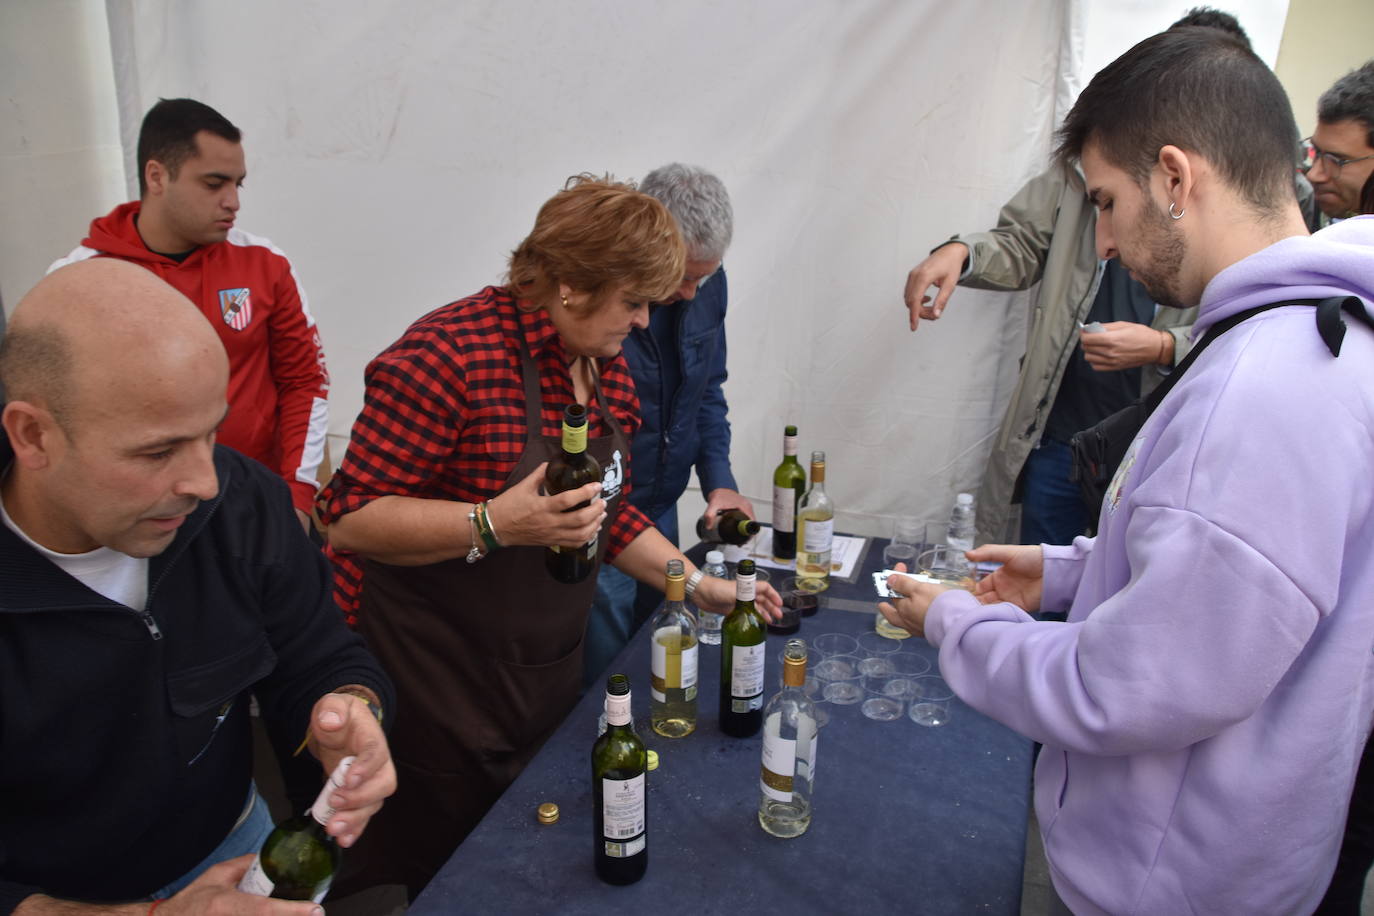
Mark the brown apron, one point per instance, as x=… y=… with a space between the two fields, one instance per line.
x=487 y=661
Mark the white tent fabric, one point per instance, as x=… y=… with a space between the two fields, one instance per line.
x=398 y=151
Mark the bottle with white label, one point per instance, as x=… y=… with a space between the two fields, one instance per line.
x=789 y=483
x=619 y=816
x=708 y=629
x=742 y=652
x=815 y=529
x=673 y=661
x=788 y=772
x=298 y=860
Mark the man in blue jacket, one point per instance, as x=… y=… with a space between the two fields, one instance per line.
x=150 y=580
x=678 y=364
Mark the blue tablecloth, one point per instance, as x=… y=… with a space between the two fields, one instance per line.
x=906 y=818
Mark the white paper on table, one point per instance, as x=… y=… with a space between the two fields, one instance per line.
x=845 y=551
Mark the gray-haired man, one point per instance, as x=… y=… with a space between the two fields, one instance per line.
x=678 y=364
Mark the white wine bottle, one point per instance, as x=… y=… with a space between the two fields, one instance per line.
x=298 y=860
x=789 y=483
x=673 y=688
x=788 y=772
x=815 y=529
x=619 y=815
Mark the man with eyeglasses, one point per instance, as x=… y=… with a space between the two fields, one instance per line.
x=1340 y=153
x=678 y=364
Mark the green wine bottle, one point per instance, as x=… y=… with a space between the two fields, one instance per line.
x=741 y=660
x=789 y=483
x=570 y=469
x=619 y=815
x=298 y=860
x=732 y=527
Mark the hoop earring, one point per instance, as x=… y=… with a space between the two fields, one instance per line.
x=1172 y=214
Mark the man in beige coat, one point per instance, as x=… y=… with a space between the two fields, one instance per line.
x=1073 y=374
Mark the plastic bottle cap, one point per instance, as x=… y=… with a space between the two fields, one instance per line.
x=715 y=556
x=653 y=760
x=548 y=813
x=964 y=499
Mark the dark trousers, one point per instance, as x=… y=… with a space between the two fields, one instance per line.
x=1052 y=510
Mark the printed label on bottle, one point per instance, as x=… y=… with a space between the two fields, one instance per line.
x=784 y=509
x=322 y=810
x=779 y=761
x=746 y=677
x=744 y=588
x=624 y=850
x=622 y=811
x=818 y=534
x=255 y=880
x=671 y=670
x=618 y=709
x=574 y=439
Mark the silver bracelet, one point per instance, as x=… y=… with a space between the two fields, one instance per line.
x=474 y=554
x=491 y=525
x=693 y=581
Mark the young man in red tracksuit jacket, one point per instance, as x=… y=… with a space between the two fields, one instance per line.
x=191 y=165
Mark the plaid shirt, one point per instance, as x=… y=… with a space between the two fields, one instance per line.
x=444 y=417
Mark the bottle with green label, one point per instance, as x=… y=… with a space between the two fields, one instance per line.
x=742 y=659
x=789 y=483
x=619 y=815
x=568 y=470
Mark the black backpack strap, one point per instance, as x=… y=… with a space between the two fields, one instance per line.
x=1221 y=327
x=1330 y=324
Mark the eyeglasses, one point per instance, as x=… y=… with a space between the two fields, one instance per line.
x=1332 y=163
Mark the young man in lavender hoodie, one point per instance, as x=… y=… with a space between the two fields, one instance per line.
x=1204 y=707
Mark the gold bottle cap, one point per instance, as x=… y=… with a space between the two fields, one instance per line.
x=548 y=813
x=653 y=760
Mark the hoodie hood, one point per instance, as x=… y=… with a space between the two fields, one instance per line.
x=1337 y=261
x=116 y=233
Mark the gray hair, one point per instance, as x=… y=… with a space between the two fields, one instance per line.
x=700 y=204
x=1351 y=98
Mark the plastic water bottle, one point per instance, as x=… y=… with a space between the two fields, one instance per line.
x=708 y=631
x=962 y=523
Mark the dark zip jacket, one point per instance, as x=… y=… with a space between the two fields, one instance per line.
x=125 y=742
x=682 y=407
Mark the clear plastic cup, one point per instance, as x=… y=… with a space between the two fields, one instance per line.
x=844 y=684
x=908 y=664
x=829 y=644
x=932 y=702
x=886 y=697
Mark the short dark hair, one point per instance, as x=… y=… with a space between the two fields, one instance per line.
x=1350 y=98
x=36 y=366
x=169 y=133
x=1201 y=90
x=1209 y=17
